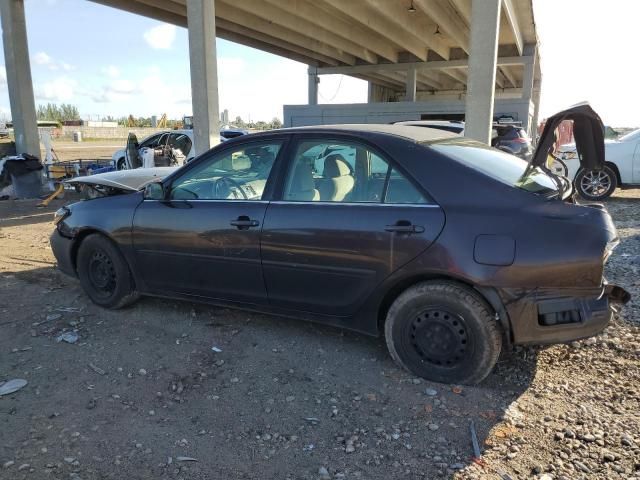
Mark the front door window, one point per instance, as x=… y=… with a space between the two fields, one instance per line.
x=239 y=173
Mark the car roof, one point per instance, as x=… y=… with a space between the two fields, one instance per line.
x=416 y=134
x=426 y=123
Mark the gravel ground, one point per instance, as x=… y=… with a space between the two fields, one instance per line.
x=141 y=394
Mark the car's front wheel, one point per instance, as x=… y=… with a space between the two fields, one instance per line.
x=104 y=273
x=596 y=184
x=121 y=164
x=444 y=332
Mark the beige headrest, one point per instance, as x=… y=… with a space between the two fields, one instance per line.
x=335 y=166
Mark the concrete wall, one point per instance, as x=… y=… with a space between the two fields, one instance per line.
x=388 y=112
x=66 y=133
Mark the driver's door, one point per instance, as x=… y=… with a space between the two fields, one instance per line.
x=204 y=238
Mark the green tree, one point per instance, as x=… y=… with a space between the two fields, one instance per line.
x=275 y=123
x=55 y=113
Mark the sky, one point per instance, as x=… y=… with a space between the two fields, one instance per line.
x=109 y=62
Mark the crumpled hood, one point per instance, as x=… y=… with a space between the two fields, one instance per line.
x=129 y=180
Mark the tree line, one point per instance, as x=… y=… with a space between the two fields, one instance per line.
x=67 y=112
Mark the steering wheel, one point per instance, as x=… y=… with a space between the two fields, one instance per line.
x=228 y=183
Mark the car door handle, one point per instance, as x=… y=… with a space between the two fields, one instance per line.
x=244 y=222
x=404 y=227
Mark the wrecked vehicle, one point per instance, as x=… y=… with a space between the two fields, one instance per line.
x=164 y=149
x=448 y=247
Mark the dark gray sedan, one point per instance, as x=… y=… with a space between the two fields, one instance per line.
x=446 y=246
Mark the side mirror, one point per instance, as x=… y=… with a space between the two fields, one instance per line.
x=154 y=191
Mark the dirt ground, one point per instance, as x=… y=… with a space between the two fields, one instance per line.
x=141 y=394
x=89 y=150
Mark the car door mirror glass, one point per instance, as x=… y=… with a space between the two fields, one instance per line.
x=154 y=191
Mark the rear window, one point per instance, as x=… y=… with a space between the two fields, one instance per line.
x=501 y=166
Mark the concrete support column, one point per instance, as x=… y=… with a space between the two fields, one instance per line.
x=314 y=80
x=410 y=93
x=485 y=27
x=529 y=72
x=533 y=128
x=201 y=20
x=16 y=57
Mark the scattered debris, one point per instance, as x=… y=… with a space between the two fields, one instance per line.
x=68 y=337
x=53 y=316
x=98 y=370
x=69 y=310
x=186 y=459
x=431 y=392
x=312 y=419
x=474 y=440
x=216 y=349
x=12 y=386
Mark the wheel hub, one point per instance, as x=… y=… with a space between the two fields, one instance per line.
x=439 y=337
x=101 y=272
x=596 y=183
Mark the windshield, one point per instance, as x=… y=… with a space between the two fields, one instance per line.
x=501 y=166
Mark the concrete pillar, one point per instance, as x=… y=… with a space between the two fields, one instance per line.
x=314 y=80
x=16 y=57
x=370 y=92
x=529 y=72
x=201 y=20
x=533 y=129
x=410 y=93
x=485 y=27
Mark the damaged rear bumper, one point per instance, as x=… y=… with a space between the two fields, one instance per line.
x=545 y=316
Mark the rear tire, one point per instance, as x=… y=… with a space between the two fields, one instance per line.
x=104 y=273
x=596 y=184
x=444 y=332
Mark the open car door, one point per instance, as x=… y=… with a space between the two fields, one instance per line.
x=588 y=131
x=131 y=154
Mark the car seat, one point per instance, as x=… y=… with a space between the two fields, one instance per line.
x=337 y=181
x=301 y=186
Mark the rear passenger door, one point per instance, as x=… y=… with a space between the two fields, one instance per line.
x=340 y=225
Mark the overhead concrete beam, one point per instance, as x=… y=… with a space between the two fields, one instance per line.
x=201 y=19
x=485 y=25
x=361 y=12
x=419 y=66
x=447 y=19
x=254 y=22
x=419 y=27
x=351 y=31
x=284 y=18
x=19 y=83
x=512 y=18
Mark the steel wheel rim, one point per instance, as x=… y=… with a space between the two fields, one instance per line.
x=102 y=273
x=440 y=337
x=595 y=183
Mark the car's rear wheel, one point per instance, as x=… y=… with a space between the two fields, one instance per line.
x=104 y=273
x=596 y=184
x=443 y=331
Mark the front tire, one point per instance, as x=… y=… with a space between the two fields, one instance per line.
x=444 y=332
x=121 y=164
x=104 y=273
x=596 y=184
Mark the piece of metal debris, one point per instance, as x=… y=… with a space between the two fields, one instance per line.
x=98 y=370
x=12 y=386
x=68 y=337
x=186 y=459
x=474 y=440
x=312 y=419
x=53 y=316
x=216 y=349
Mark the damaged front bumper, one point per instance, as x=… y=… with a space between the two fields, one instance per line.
x=545 y=316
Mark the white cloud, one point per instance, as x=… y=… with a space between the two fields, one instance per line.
x=41 y=58
x=122 y=86
x=160 y=37
x=111 y=71
x=45 y=60
x=59 y=90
